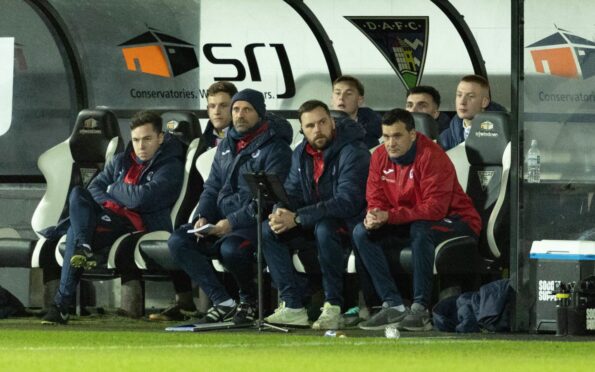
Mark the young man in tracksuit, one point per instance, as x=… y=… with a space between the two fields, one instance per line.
x=256 y=142
x=326 y=191
x=134 y=192
x=414 y=199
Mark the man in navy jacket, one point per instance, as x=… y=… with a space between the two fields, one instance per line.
x=326 y=191
x=348 y=96
x=219 y=110
x=257 y=142
x=134 y=192
x=472 y=97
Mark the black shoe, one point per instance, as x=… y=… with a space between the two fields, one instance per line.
x=418 y=319
x=387 y=316
x=245 y=314
x=55 y=316
x=219 y=313
x=83 y=257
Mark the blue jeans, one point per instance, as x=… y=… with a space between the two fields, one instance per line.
x=85 y=215
x=278 y=255
x=194 y=257
x=422 y=237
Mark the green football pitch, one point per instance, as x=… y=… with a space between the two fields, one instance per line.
x=112 y=344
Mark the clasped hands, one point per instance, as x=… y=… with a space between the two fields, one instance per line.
x=375 y=218
x=282 y=220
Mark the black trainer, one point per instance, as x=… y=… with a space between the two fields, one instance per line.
x=83 y=257
x=55 y=316
x=245 y=314
x=219 y=313
x=418 y=319
x=387 y=316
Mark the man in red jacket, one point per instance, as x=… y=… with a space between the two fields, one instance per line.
x=414 y=199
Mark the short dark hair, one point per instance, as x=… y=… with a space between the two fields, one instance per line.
x=478 y=79
x=147 y=117
x=311 y=105
x=350 y=80
x=222 y=87
x=426 y=89
x=399 y=115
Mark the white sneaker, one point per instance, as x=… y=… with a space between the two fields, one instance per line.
x=289 y=317
x=330 y=318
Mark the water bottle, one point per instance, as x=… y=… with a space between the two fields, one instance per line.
x=533 y=163
x=392 y=332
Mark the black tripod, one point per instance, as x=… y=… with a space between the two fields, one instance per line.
x=266 y=188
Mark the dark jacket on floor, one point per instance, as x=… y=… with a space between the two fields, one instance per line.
x=487 y=309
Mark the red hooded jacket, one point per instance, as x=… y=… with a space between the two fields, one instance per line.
x=426 y=189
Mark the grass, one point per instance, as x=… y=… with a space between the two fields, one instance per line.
x=103 y=345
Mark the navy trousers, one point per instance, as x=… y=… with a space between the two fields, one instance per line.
x=194 y=257
x=89 y=224
x=422 y=237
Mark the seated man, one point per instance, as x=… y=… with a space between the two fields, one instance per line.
x=426 y=99
x=219 y=111
x=326 y=190
x=134 y=192
x=253 y=144
x=348 y=96
x=414 y=199
x=472 y=97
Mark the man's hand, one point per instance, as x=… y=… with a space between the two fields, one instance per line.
x=375 y=218
x=200 y=223
x=282 y=220
x=221 y=228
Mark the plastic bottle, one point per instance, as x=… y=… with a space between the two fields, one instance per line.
x=533 y=163
x=392 y=332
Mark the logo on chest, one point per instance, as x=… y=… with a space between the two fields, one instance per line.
x=388 y=175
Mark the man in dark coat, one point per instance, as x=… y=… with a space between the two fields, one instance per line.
x=326 y=191
x=348 y=96
x=219 y=110
x=426 y=99
x=134 y=192
x=255 y=143
x=472 y=97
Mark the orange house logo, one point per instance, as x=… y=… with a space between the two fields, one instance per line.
x=564 y=54
x=156 y=53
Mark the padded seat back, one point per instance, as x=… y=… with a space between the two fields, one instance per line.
x=186 y=128
x=458 y=157
x=94 y=140
x=205 y=161
x=488 y=153
x=426 y=125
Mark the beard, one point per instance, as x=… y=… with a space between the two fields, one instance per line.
x=317 y=144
